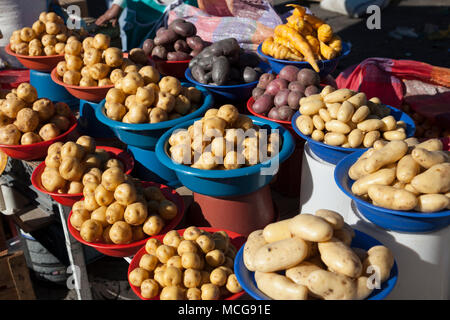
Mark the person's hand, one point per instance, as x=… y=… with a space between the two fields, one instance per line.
x=112 y=14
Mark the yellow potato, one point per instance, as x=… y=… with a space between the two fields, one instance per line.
x=382 y=259
x=390 y=153
x=394 y=135
x=339 y=95
x=432 y=202
x=311 y=107
x=407 y=169
x=389 y=123
x=326 y=90
x=337 y=126
x=254 y=242
x=325 y=115
x=279 y=287
x=318 y=122
x=363 y=290
x=317 y=135
x=345 y=111
x=370 y=138
x=431 y=145
x=280 y=255
x=310 y=228
x=383 y=177
x=339 y=258
x=434 y=180
x=331 y=286
x=299 y=274
x=370 y=125
x=332 y=217
x=426 y=158
x=392 y=198
x=333 y=109
x=305 y=124
x=358 y=99
x=360 y=114
x=355 y=138
x=277 y=231
x=334 y=138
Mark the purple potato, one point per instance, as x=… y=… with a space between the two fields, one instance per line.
x=181 y=45
x=296 y=86
x=308 y=77
x=310 y=90
x=273 y=114
x=281 y=97
x=257 y=92
x=263 y=104
x=148 y=46
x=265 y=79
x=285 y=113
x=289 y=73
x=276 y=85
x=294 y=98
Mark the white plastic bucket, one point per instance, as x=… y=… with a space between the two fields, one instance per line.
x=318 y=188
x=423 y=259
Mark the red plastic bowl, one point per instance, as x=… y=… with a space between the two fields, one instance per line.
x=38 y=150
x=172 y=68
x=40 y=63
x=127 y=250
x=69 y=199
x=236 y=239
x=94 y=94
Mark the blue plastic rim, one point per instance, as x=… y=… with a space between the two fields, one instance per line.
x=246 y=278
x=404 y=221
x=146 y=135
x=227 y=183
x=47 y=88
x=238 y=92
x=325 y=66
x=148 y=168
x=334 y=154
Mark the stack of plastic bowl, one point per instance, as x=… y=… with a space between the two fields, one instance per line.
x=142 y=138
x=238 y=92
x=175 y=69
x=361 y=240
x=238 y=199
x=326 y=66
x=40 y=77
x=418 y=240
x=318 y=164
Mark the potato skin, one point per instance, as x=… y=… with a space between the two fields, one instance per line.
x=254 y=242
x=311 y=228
x=277 y=231
x=381 y=257
x=331 y=286
x=392 y=198
x=382 y=177
x=279 y=287
x=280 y=255
x=434 y=180
x=390 y=153
x=340 y=258
x=432 y=202
x=407 y=169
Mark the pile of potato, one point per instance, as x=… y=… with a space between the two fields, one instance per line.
x=117 y=209
x=346 y=118
x=93 y=62
x=177 y=42
x=425 y=128
x=70 y=166
x=143 y=98
x=48 y=36
x=25 y=119
x=278 y=97
x=404 y=175
x=224 y=63
x=303 y=37
x=223 y=140
x=196 y=266
x=309 y=256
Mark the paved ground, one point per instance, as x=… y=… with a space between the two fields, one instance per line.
x=108 y=275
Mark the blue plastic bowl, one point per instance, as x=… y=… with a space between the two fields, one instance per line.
x=238 y=92
x=226 y=183
x=146 y=135
x=405 y=221
x=88 y=122
x=361 y=240
x=334 y=154
x=325 y=66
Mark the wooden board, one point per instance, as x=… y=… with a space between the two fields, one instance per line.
x=15 y=282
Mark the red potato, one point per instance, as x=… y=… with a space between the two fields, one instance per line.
x=265 y=79
x=285 y=113
x=296 y=86
x=289 y=73
x=276 y=85
x=294 y=98
x=310 y=90
x=263 y=104
x=281 y=98
x=308 y=77
x=257 y=92
x=274 y=114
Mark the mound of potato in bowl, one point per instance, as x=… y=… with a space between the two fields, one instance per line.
x=191 y=264
x=223 y=140
x=404 y=175
x=313 y=257
x=47 y=36
x=145 y=98
x=118 y=209
x=25 y=119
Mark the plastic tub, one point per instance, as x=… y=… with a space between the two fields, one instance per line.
x=236 y=239
x=226 y=183
x=126 y=250
x=172 y=68
x=69 y=199
x=94 y=94
x=361 y=240
x=238 y=92
x=146 y=135
x=406 y=221
x=40 y=63
x=325 y=66
x=38 y=150
x=333 y=154
x=88 y=122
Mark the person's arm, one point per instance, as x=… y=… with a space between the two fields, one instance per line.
x=113 y=13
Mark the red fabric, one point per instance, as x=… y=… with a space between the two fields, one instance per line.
x=11 y=78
